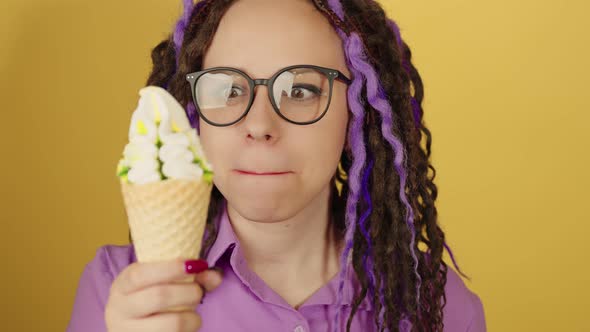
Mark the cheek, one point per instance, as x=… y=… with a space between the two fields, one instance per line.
x=327 y=143
x=213 y=145
x=336 y=124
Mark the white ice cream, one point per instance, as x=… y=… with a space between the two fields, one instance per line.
x=162 y=144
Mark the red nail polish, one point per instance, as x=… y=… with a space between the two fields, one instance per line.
x=195 y=266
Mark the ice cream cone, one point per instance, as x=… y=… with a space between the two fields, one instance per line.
x=167 y=219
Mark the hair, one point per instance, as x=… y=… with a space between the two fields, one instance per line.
x=385 y=205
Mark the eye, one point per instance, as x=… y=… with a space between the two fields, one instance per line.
x=304 y=92
x=235 y=91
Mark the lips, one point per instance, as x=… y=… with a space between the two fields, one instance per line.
x=247 y=172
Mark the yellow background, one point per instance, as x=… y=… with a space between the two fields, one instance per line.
x=506 y=99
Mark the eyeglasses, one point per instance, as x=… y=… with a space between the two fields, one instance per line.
x=301 y=94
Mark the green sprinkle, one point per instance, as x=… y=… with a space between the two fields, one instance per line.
x=122 y=170
x=208 y=177
x=160 y=164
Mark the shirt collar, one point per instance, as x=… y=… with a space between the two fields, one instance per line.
x=226 y=239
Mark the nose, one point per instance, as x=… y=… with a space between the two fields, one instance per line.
x=261 y=123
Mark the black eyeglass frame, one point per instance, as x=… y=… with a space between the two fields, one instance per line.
x=331 y=74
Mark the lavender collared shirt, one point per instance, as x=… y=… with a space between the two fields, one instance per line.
x=243 y=302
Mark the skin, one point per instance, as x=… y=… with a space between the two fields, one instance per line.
x=282 y=222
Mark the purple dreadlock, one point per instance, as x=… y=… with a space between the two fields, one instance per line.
x=417 y=111
x=362 y=70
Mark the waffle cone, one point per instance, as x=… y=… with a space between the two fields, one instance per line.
x=167 y=219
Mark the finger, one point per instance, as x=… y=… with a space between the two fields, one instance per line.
x=183 y=321
x=209 y=279
x=141 y=275
x=160 y=297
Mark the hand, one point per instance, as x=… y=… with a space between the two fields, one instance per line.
x=142 y=291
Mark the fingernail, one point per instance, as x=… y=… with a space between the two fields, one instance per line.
x=194 y=266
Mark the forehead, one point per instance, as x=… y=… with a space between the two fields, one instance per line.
x=262 y=36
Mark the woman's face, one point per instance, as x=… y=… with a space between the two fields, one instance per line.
x=260 y=37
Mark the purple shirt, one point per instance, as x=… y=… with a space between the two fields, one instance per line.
x=243 y=302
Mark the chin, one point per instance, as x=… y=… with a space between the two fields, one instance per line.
x=262 y=209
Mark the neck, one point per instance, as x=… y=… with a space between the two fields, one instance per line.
x=298 y=249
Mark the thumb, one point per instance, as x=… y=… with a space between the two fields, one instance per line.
x=210 y=279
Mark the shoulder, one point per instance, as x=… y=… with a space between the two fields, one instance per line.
x=94 y=287
x=108 y=261
x=112 y=259
x=463 y=310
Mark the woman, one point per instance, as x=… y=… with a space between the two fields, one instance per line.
x=322 y=192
